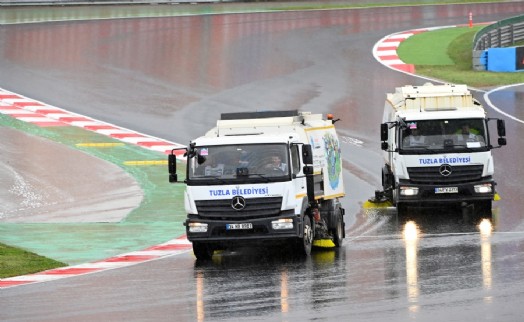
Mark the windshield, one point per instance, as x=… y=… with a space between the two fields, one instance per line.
x=434 y=136
x=263 y=162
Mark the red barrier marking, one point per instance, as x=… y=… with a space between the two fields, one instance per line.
x=45 y=111
x=125 y=135
x=177 y=152
x=9 y=108
x=410 y=68
x=151 y=144
x=13 y=283
x=69 y=119
x=71 y=271
x=9 y=96
x=394 y=40
x=170 y=247
x=130 y=258
x=387 y=48
x=100 y=127
x=24 y=104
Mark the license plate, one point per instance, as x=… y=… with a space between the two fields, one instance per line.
x=447 y=190
x=239 y=226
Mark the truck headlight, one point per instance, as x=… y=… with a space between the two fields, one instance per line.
x=483 y=188
x=283 y=223
x=408 y=191
x=197 y=227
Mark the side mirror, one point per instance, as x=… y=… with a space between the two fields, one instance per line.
x=384 y=146
x=383 y=132
x=308 y=169
x=502 y=141
x=171 y=165
x=307 y=154
x=501 y=128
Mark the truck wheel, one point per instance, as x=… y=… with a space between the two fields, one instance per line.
x=338 y=232
x=304 y=245
x=483 y=209
x=402 y=209
x=202 y=251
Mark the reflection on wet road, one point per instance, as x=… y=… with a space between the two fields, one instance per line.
x=400 y=266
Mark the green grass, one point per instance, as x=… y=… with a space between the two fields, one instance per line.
x=446 y=54
x=16 y=262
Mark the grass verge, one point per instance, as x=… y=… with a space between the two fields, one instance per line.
x=446 y=54
x=15 y=262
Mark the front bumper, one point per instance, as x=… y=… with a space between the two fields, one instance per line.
x=446 y=193
x=261 y=233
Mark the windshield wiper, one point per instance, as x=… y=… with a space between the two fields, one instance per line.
x=217 y=178
x=261 y=176
x=424 y=149
x=460 y=146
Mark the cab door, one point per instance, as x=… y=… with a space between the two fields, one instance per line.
x=299 y=179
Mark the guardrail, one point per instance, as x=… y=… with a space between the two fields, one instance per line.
x=503 y=33
x=489 y=52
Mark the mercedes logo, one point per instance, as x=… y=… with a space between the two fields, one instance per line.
x=238 y=203
x=445 y=170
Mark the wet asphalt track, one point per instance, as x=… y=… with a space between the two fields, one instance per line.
x=171 y=77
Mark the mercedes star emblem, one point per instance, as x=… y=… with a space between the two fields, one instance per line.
x=445 y=170
x=238 y=203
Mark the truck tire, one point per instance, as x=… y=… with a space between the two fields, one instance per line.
x=338 y=232
x=303 y=246
x=483 y=209
x=402 y=209
x=388 y=182
x=202 y=251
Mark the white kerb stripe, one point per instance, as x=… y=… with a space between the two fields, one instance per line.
x=386 y=53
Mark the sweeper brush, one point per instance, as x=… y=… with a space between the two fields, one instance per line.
x=323 y=243
x=378 y=201
x=323 y=238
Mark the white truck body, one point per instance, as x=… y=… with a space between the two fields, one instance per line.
x=235 y=195
x=437 y=149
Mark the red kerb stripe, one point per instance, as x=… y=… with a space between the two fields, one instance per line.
x=100 y=127
x=170 y=247
x=71 y=271
x=150 y=144
x=125 y=135
x=13 y=283
x=8 y=96
x=22 y=104
x=130 y=258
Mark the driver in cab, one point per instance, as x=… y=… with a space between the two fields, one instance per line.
x=469 y=137
x=276 y=164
